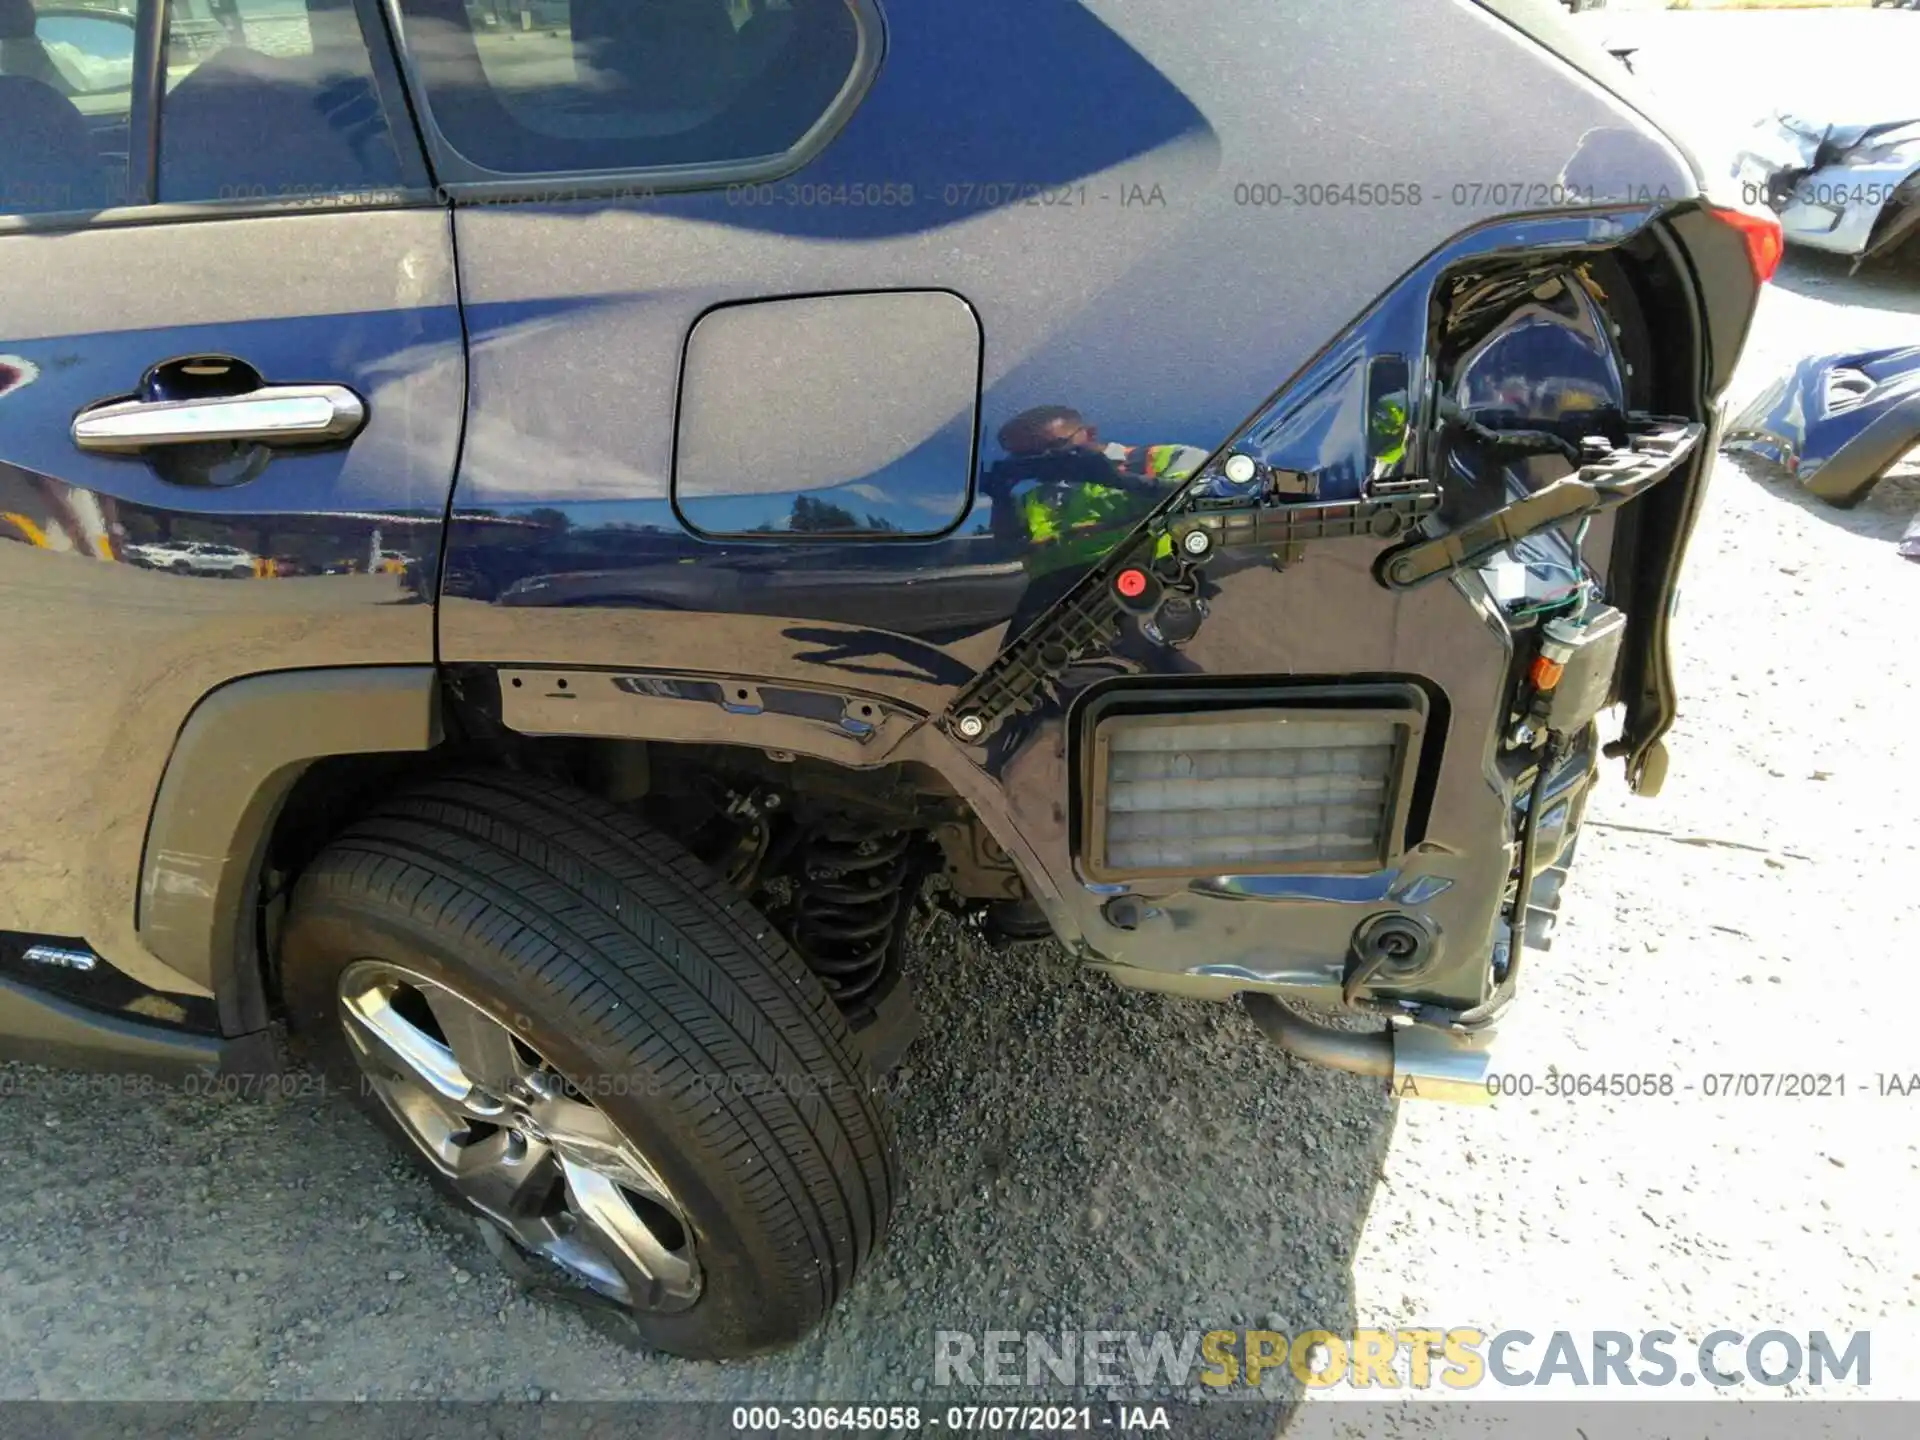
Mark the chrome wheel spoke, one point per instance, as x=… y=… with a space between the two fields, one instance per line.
x=544 y=1164
x=654 y=1273
x=388 y=1040
x=582 y=1136
x=436 y=1125
x=510 y=1177
x=482 y=1047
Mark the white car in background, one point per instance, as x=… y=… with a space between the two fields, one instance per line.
x=1848 y=188
x=193 y=557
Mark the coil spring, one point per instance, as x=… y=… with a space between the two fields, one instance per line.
x=850 y=894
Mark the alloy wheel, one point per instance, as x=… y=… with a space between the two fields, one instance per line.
x=517 y=1140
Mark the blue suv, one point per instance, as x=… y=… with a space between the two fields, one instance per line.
x=697 y=482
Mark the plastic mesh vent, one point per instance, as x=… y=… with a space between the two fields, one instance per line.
x=1244 y=792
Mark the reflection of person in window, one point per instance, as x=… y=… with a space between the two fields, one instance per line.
x=1070 y=497
x=1063 y=499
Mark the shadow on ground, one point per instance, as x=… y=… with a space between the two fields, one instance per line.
x=1077 y=1157
x=1884 y=515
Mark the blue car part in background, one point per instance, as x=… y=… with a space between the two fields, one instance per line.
x=1838 y=423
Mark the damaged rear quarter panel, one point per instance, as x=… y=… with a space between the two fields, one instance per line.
x=1162 y=300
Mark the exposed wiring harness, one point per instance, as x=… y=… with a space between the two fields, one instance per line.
x=1508 y=442
x=1555 y=755
x=1582 y=582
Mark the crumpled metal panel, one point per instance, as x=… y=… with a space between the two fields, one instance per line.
x=1849 y=189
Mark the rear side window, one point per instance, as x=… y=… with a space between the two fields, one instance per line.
x=564 y=87
x=271 y=100
x=66 y=89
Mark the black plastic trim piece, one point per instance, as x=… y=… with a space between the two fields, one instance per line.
x=1285 y=526
x=184 y=212
x=67 y=968
x=1657 y=449
x=143 y=116
x=1092 y=613
x=845 y=727
x=44 y=1029
x=1706 y=261
x=403 y=125
x=236 y=758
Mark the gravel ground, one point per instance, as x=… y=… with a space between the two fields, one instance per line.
x=1080 y=1156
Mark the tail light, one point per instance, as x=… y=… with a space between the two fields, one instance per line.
x=1765 y=241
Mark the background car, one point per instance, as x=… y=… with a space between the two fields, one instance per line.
x=194 y=557
x=1849 y=189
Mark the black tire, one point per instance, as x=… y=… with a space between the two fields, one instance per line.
x=616 y=954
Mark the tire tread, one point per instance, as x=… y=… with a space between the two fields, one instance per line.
x=613 y=922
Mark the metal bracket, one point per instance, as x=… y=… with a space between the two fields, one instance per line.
x=1276 y=527
x=1017 y=678
x=850 y=729
x=1610 y=478
x=1091 y=614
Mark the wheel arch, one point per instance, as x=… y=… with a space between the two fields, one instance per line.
x=266 y=767
x=238 y=756
x=847 y=728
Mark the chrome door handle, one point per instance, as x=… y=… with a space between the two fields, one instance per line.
x=271 y=415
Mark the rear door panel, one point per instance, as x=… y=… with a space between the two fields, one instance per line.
x=102 y=657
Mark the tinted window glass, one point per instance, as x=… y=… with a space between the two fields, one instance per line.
x=523 y=87
x=270 y=100
x=66 y=87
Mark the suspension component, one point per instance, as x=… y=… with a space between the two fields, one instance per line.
x=852 y=894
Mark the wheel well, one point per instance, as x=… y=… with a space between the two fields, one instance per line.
x=747 y=812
